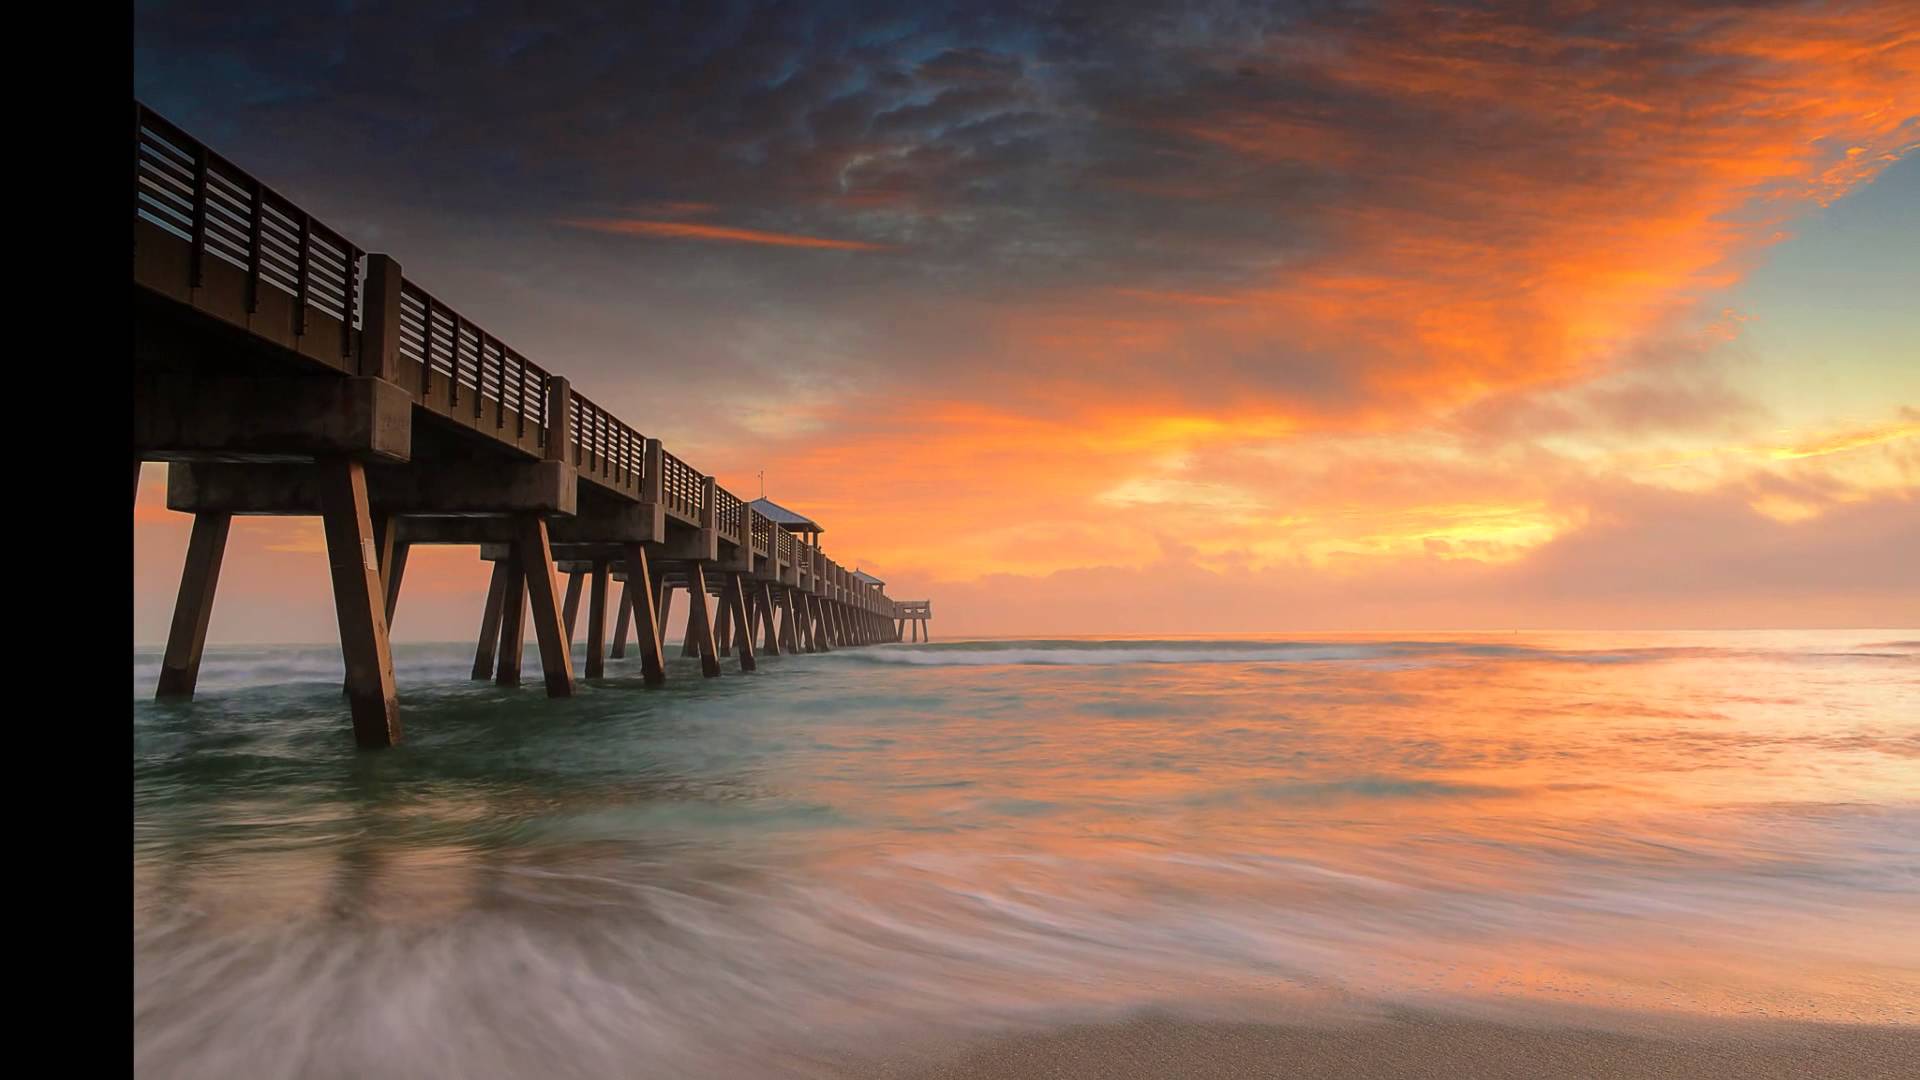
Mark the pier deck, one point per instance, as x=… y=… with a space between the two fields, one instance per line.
x=280 y=369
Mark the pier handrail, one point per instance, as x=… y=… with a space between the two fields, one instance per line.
x=223 y=212
x=469 y=362
x=604 y=445
x=680 y=486
x=727 y=509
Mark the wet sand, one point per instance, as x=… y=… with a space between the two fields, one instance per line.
x=1420 y=1047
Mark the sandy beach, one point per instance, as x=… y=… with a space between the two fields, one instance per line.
x=1415 y=1046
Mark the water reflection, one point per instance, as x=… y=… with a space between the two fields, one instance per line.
x=746 y=870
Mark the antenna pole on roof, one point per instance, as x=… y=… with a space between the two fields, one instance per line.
x=763 y=483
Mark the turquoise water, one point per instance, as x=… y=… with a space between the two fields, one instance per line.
x=748 y=875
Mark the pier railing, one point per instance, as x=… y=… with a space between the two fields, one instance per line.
x=681 y=488
x=211 y=235
x=605 y=448
x=455 y=368
x=273 y=263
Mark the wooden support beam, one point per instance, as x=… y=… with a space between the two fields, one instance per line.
x=666 y=608
x=597 y=622
x=690 y=646
x=391 y=555
x=647 y=622
x=700 y=620
x=822 y=636
x=765 y=595
x=513 y=634
x=490 y=621
x=360 y=602
x=792 y=625
x=574 y=580
x=735 y=597
x=623 y=612
x=193 y=607
x=723 y=619
x=789 y=632
x=394 y=569
x=543 y=595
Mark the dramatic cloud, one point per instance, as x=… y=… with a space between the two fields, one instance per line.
x=684 y=230
x=1328 y=292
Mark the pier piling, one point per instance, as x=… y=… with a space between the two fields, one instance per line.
x=298 y=374
x=360 y=602
x=597 y=621
x=490 y=621
x=647 y=623
x=513 y=633
x=187 y=640
x=543 y=603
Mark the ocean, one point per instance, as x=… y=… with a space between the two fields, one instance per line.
x=844 y=853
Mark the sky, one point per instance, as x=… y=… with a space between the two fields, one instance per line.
x=1135 y=317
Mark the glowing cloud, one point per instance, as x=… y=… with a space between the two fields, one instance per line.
x=684 y=230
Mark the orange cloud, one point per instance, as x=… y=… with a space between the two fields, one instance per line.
x=723 y=233
x=1840 y=444
x=1477 y=209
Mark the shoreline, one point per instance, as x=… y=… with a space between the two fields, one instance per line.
x=1405 y=1044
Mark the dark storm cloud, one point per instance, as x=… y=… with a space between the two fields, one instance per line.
x=973 y=136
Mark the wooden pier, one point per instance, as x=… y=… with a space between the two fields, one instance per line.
x=280 y=369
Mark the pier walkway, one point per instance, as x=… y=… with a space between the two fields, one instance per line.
x=280 y=369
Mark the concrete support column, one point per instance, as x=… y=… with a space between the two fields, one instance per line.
x=513 y=621
x=791 y=624
x=690 y=645
x=822 y=634
x=559 y=445
x=597 y=622
x=653 y=469
x=193 y=607
x=700 y=620
x=723 y=619
x=789 y=632
x=571 y=609
x=391 y=554
x=623 y=611
x=380 y=320
x=647 y=622
x=393 y=569
x=543 y=594
x=772 y=640
x=360 y=603
x=734 y=595
x=490 y=621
